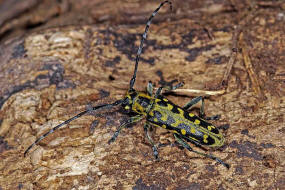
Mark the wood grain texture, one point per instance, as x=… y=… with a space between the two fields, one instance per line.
x=50 y=75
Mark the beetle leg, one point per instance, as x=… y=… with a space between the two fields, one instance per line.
x=185 y=145
x=168 y=88
x=130 y=120
x=154 y=148
x=193 y=102
x=149 y=88
x=224 y=127
x=202 y=112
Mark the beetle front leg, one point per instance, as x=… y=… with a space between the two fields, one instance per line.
x=149 y=88
x=168 y=88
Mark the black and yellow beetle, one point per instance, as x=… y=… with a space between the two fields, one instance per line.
x=160 y=112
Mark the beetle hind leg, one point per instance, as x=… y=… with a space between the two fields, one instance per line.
x=224 y=127
x=185 y=145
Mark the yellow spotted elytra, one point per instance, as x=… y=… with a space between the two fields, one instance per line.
x=160 y=112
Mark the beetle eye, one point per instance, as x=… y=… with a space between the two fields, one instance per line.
x=126 y=101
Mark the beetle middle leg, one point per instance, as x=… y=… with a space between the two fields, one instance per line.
x=130 y=120
x=154 y=148
x=202 y=112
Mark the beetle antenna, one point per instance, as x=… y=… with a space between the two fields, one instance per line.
x=108 y=106
x=132 y=81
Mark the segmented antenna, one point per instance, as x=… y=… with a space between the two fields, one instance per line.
x=71 y=119
x=132 y=81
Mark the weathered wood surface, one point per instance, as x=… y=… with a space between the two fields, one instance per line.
x=48 y=76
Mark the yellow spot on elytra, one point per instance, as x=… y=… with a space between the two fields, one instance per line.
x=157 y=100
x=169 y=106
x=164 y=126
x=192 y=130
x=151 y=113
x=155 y=120
x=175 y=124
x=165 y=99
x=180 y=110
x=174 y=131
x=191 y=114
x=164 y=117
x=127 y=107
x=205 y=138
x=197 y=121
x=210 y=127
x=183 y=131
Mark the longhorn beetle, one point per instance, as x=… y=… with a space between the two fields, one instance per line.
x=160 y=112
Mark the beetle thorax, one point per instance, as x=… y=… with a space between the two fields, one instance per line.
x=137 y=102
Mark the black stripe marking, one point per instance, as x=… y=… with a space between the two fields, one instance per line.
x=186 y=115
x=162 y=103
x=175 y=110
